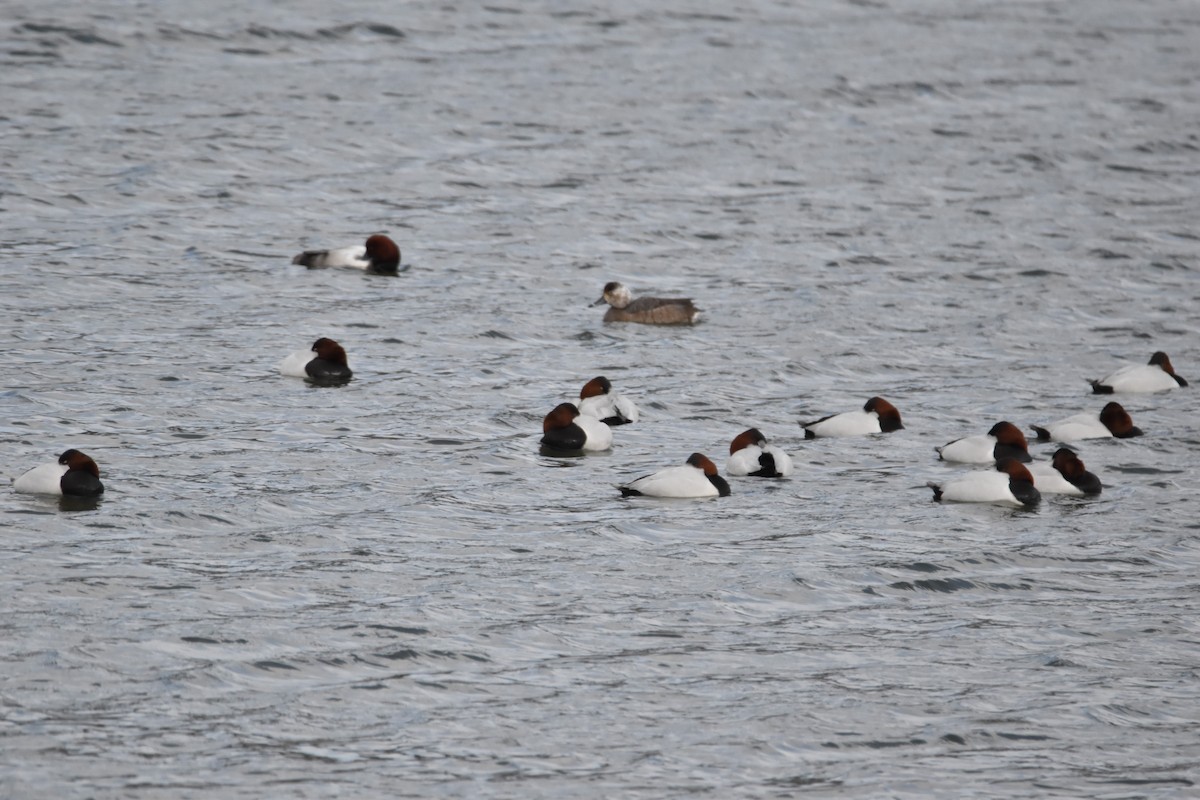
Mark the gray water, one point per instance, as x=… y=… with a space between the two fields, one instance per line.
x=384 y=590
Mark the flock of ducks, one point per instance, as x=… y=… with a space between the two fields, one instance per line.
x=572 y=429
x=586 y=426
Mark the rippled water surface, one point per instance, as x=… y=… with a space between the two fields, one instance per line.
x=385 y=590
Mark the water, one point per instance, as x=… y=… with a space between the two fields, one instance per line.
x=384 y=590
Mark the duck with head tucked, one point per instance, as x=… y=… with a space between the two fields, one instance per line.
x=1064 y=474
x=1113 y=420
x=1010 y=483
x=380 y=255
x=697 y=477
x=75 y=474
x=1155 y=376
x=750 y=454
x=1004 y=440
x=598 y=399
x=564 y=429
x=324 y=363
x=647 y=310
x=876 y=416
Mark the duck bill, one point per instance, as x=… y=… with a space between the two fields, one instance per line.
x=599 y=302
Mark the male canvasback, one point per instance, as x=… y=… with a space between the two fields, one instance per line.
x=1112 y=421
x=1004 y=440
x=648 y=310
x=324 y=362
x=696 y=478
x=876 y=416
x=565 y=429
x=379 y=254
x=1010 y=483
x=74 y=474
x=597 y=399
x=1155 y=376
x=749 y=454
x=1064 y=474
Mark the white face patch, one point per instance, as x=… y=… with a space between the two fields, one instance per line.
x=619 y=297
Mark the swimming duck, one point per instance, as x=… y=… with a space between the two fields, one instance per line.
x=1064 y=474
x=749 y=454
x=379 y=254
x=696 y=478
x=876 y=416
x=1010 y=483
x=1004 y=440
x=324 y=363
x=648 y=310
x=597 y=399
x=1113 y=420
x=565 y=428
x=1155 y=376
x=74 y=474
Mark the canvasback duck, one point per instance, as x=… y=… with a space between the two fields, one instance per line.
x=324 y=362
x=74 y=475
x=379 y=254
x=1155 y=376
x=1112 y=421
x=597 y=399
x=1010 y=483
x=1064 y=474
x=696 y=478
x=648 y=310
x=1004 y=440
x=565 y=429
x=876 y=416
x=750 y=454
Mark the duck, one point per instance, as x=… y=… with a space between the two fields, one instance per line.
x=75 y=474
x=647 y=310
x=1113 y=420
x=597 y=399
x=1155 y=376
x=323 y=363
x=1004 y=440
x=380 y=254
x=1064 y=474
x=751 y=455
x=1010 y=483
x=876 y=416
x=697 y=477
x=566 y=429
